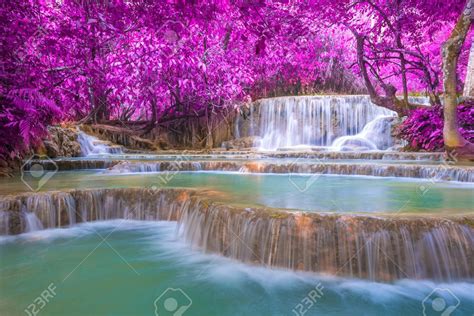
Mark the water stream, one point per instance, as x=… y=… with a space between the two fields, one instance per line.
x=314 y=121
x=304 y=192
x=375 y=135
x=375 y=232
x=380 y=247
x=336 y=122
x=153 y=260
x=91 y=145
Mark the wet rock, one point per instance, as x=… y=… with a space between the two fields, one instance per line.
x=52 y=149
x=124 y=137
x=9 y=166
x=399 y=144
x=61 y=142
x=438 y=172
x=242 y=143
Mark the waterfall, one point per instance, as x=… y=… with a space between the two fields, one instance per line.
x=432 y=172
x=375 y=135
x=303 y=122
x=377 y=248
x=356 y=246
x=4 y=223
x=91 y=145
x=31 y=222
x=311 y=120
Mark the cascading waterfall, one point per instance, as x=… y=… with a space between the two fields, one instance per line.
x=376 y=248
x=312 y=120
x=4 y=223
x=31 y=222
x=27 y=212
x=91 y=145
x=356 y=246
x=432 y=172
x=375 y=135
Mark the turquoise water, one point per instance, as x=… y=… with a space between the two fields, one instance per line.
x=140 y=260
x=303 y=192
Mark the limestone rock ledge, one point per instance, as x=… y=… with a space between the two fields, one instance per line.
x=380 y=247
x=241 y=143
x=124 y=137
x=62 y=142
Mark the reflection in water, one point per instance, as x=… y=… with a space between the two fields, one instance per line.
x=303 y=192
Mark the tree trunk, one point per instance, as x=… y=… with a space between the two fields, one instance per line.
x=469 y=83
x=453 y=140
x=154 y=118
x=390 y=100
x=209 y=139
x=102 y=112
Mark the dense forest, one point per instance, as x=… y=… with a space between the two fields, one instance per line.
x=171 y=64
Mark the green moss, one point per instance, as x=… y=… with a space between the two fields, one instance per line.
x=468 y=221
x=278 y=215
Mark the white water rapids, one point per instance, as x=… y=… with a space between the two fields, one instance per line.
x=332 y=122
x=91 y=145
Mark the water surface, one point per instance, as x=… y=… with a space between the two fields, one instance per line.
x=303 y=192
x=140 y=260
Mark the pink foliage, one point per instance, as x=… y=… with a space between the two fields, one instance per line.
x=161 y=60
x=423 y=129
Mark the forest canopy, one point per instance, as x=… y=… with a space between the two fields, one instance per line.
x=168 y=62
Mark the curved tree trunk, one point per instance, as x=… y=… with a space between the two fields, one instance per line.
x=453 y=140
x=154 y=118
x=390 y=100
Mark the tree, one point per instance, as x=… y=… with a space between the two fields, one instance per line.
x=397 y=45
x=453 y=140
x=184 y=65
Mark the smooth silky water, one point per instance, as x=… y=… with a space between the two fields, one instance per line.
x=141 y=260
x=327 y=193
x=121 y=267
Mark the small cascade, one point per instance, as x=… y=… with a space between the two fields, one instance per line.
x=355 y=246
x=376 y=135
x=62 y=164
x=4 y=223
x=432 y=172
x=65 y=208
x=91 y=145
x=377 y=248
x=311 y=120
x=378 y=155
x=166 y=166
x=31 y=222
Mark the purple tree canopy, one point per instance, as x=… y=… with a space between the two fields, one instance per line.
x=156 y=61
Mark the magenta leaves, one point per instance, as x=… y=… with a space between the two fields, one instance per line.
x=423 y=129
x=172 y=61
